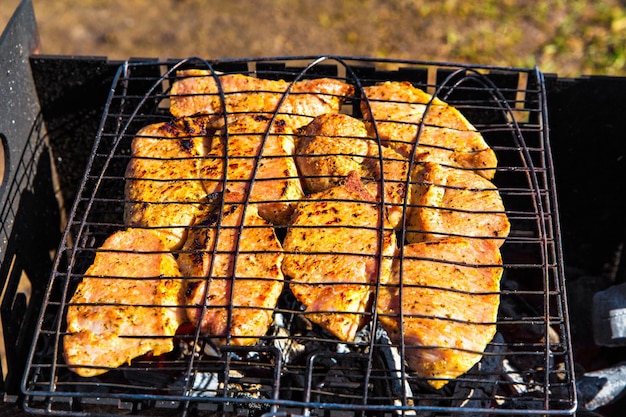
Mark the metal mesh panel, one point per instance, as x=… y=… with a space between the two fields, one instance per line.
x=297 y=366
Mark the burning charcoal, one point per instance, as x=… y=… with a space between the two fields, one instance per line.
x=249 y=391
x=513 y=305
x=515 y=378
x=204 y=384
x=339 y=381
x=609 y=316
x=147 y=378
x=334 y=368
x=289 y=347
x=398 y=387
x=599 y=388
x=581 y=289
x=338 y=378
x=478 y=388
x=186 y=345
x=525 y=384
x=526 y=326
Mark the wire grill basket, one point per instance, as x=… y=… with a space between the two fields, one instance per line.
x=296 y=367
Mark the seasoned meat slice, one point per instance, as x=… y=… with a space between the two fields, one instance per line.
x=129 y=303
x=386 y=166
x=394 y=112
x=329 y=148
x=449 y=201
x=196 y=92
x=446 y=146
x=260 y=162
x=335 y=254
x=333 y=145
x=448 y=306
x=163 y=190
x=234 y=263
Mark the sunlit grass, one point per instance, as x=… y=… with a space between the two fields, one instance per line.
x=574 y=36
x=567 y=37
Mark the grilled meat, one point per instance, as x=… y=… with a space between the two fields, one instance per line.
x=197 y=92
x=329 y=148
x=333 y=145
x=449 y=201
x=236 y=262
x=127 y=305
x=446 y=313
x=385 y=166
x=395 y=112
x=163 y=190
x=260 y=163
x=333 y=255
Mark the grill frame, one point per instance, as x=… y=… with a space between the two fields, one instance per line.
x=548 y=222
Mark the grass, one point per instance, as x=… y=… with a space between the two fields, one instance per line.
x=566 y=37
x=571 y=37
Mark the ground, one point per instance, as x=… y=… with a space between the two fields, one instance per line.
x=568 y=37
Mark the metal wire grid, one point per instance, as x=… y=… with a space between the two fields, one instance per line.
x=527 y=368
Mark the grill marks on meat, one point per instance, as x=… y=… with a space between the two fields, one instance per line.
x=388 y=172
x=333 y=254
x=238 y=257
x=258 y=153
x=127 y=304
x=163 y=190
x=329 y=148
x=450 y=201
x=442 y=300
x=333 y=145
x=413 y=122
x=197 y=92
x=256 y=146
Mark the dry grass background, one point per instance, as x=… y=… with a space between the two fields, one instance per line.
x=568 y=37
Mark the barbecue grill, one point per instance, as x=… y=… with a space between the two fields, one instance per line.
x=66 y=145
